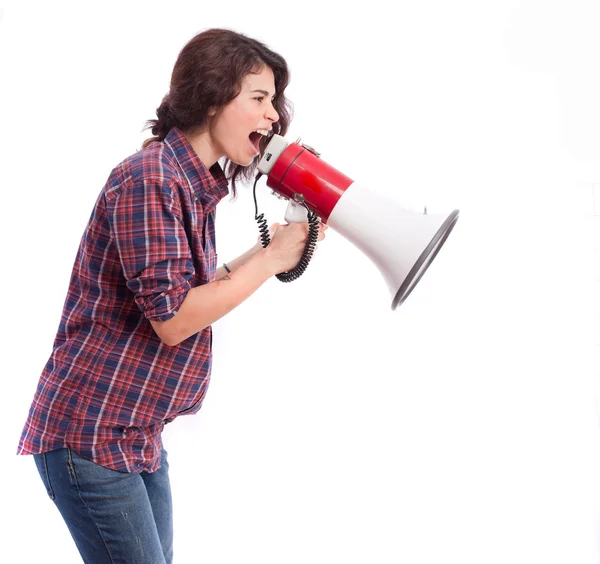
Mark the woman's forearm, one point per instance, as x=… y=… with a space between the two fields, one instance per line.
x=205 y=304
x=239 y=261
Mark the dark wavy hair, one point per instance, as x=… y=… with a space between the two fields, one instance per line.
x=208 y=73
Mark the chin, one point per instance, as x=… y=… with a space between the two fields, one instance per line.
x=241 y=162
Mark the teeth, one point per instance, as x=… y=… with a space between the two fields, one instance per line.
x=264 y=132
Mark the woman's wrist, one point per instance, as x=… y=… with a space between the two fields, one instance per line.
x=263 y=257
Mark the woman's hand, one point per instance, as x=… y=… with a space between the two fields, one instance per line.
x=287 y=244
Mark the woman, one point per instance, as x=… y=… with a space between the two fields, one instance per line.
x=133 y=349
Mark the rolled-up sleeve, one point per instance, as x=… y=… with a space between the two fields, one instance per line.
x=148 y=230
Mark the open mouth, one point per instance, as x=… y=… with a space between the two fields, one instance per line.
x=255 y=138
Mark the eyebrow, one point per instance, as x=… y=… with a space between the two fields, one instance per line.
x=264 y=92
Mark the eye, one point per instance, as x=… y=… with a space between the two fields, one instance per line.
x=260 y=98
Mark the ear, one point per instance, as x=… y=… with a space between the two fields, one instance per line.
x=212 y=112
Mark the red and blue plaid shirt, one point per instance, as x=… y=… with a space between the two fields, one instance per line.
x=110 y=384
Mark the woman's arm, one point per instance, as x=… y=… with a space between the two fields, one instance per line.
x=205 y=304
x=236 y=263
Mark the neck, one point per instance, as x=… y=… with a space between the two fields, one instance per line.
x=203 y=144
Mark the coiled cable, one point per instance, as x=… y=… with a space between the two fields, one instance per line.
x=311 y=240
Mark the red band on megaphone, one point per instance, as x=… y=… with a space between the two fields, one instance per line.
x=299 y=171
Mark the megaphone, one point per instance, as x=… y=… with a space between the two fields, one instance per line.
x=401 y=243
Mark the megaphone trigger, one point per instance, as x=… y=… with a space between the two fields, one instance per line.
x=295 y=213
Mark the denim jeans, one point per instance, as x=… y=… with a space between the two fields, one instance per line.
x=113 y=517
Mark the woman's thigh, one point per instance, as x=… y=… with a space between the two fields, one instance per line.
x=108 y=513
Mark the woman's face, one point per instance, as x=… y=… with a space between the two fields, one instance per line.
x=234 y=128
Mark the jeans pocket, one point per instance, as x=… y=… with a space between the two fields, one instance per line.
x=42 y=465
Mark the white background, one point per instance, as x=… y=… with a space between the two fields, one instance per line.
x=461 y=427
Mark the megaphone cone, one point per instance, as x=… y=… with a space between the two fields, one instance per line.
x=400 y=242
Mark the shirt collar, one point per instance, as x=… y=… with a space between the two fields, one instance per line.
x=209 y=185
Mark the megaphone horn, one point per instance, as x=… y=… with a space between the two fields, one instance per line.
x=400 y=242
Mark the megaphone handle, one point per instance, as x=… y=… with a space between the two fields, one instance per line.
x=309 y=248
x=293 y=215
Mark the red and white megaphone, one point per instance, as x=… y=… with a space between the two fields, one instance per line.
x=400 y=242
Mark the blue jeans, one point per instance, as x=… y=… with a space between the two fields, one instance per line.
x=113 y=517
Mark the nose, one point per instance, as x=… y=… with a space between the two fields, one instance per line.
x=272 y=114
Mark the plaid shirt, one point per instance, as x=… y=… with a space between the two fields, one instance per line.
x=110 y=384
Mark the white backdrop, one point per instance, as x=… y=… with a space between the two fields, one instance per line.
x=461 y=427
